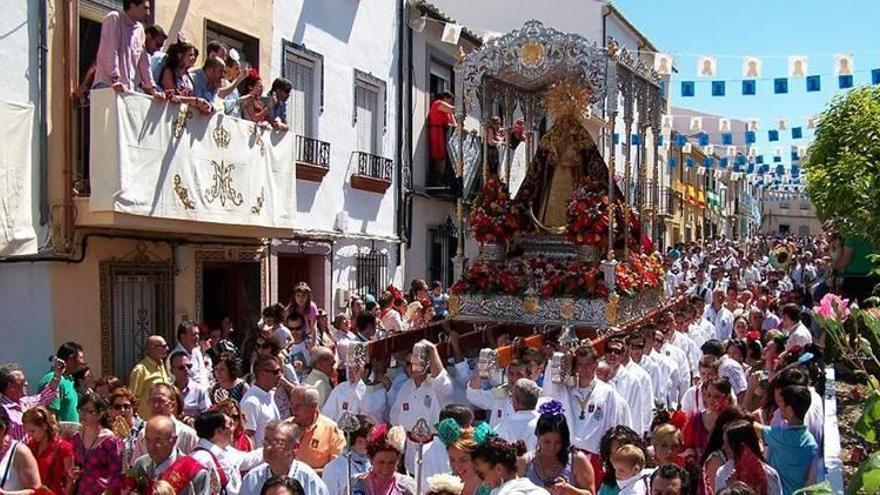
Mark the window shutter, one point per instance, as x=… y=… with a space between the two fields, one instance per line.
x=367 y=113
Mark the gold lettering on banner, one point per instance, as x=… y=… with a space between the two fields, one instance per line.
x=183 y=193
x=180 y=122
x=256 y=132
x=257 y=208
x=222 y=187
x=221 y=135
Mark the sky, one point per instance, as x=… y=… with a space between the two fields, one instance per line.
x=772 y=30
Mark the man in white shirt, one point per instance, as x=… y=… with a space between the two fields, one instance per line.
x=632 y=383
x=188 y=342
x=496 y=401
x=258 y=403
x=700 y=329
x=682 y=376
x=660 y=376
x=676 y=333
x=215 y=452
x=798 y=334
x=592 y=407
x=700 y=287
x=323 y=365
x=720 y=316
x=422 y=394
x=749 y=274
x=670 y=376
x=520 y=425
x=164 y=399
x=279 y=456
x=355 y=397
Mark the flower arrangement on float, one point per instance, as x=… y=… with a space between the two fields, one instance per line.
x=486 y=277
x=587 y=216
x=639 y=273
x=494 y=217
x=553 y=278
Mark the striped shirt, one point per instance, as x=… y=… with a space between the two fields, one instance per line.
x=16 y=410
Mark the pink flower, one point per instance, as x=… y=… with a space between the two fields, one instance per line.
x=833 y=306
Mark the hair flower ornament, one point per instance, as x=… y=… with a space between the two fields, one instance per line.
x=378 y=432
x=448 y=431
x=483 y=433
x=551 y=408
x=445 y=484
x=396 y=438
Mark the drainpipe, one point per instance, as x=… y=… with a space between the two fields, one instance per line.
x=398 y=119
x=42 y=52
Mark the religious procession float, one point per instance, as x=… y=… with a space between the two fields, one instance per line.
x=565 y=243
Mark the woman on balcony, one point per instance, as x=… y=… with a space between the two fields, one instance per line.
x=254 y=108
x=440 y=118
x=175 y=80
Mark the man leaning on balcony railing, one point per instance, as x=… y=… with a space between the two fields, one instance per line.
x=122 y=62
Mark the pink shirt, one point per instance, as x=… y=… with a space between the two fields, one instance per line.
x=15 y=410
x=121 y=53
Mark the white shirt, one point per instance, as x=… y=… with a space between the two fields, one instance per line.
x=701 y=331
x=519 y=486
x=423 y=401
x=200 y=373
x=600 y=406
x=727 y=470
x=282 y=336
x=336 y=471
x=660 y=378
x=799 y=336
x=435 y=460
x=679 y=358
x=393 y=322
x=674 y=384
x=520 y=425
x=356 y=398
x=259 y=408
x=232 y=461
x=312 y=483
x=723 y=321
x=734 y=372
x=634 y=385
x=319 y=381
x=637 y=485
x=186 y=439
x=495 y=400
x=195 y=399
x=750 y=275
x=686 y=344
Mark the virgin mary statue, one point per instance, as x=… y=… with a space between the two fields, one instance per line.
x=566 y=156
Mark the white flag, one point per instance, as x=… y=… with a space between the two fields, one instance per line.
x=686 y=148
x=706 y=66
x=782 y=124
x=723 y=125
x=752 y=124
x=696 y=124
x=451 y=33
x=667 y=121
x=731 y=151
x=844 y=65
x=751 y=67
x=811 y=122
x=797 y=66
x=710 y=149
x=663 y=64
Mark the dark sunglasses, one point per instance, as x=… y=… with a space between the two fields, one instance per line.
x=121 y=407
x=615 y=350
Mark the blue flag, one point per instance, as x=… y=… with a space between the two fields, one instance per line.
x=750 y=137
x=777 y=159
x=718 y=88
x=748 y=87
x=780 y=85
x=635 y=139
x=814 y=83
x=681 y=140
x=845 y=82
x=709 y=162
x=615 y=138
x=773 y=135
x=690 y=162
x=759 y=159
x=660 y=140
x=703 y=139
x=673 y=162
x=727 y=139
x=797 y=132
x=687 y=89
x=875 y=76
x=724 y=162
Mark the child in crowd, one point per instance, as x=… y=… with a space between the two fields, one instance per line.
x=667 y=444
x=629 y=467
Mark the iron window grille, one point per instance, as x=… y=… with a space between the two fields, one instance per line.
x=371 y=272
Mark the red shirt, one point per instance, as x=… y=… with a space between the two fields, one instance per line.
x=52 y=462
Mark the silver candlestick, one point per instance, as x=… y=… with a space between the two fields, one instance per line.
x=421 y=434
x=349 y=424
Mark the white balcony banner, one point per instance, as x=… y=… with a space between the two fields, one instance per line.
x=17 y=235
x=162 y=160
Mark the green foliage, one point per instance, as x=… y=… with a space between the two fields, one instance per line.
x=867 y=478
x=842 y=166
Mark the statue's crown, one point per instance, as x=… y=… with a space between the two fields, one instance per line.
x=568 y=97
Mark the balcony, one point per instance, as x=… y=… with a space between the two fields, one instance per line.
x=166 y=168
x=373 y=173
x=670 y=202
x=312 y=159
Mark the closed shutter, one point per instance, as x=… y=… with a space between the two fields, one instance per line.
x=367 y=118
x=301 y=74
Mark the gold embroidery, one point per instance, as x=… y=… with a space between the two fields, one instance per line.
x=260 y=199
x=258 y=139
x=222 y=186
x=183 y=193
x=611 y=307
x=180 y=122
x=221 y=135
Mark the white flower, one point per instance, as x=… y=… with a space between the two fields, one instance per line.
x=396 y=437
x=446 y=484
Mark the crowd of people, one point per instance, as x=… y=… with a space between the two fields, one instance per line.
x=130 y=59
x=720 y=394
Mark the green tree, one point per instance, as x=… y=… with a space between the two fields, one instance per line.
x=842 y=166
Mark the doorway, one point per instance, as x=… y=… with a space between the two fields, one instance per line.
x=296 y=268
x=231 y=289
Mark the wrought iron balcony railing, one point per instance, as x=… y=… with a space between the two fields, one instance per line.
x=313 y=151
x=374 y=166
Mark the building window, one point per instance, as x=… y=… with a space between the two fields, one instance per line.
x=804 y=230
x=247 y=47
x=784 y=206
x=442 y=247
x=304 y=69
x=805 y=206
x=137 y=300
x=784 y=228
x=440 y=78
x=369 y=112
x=371 y=273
